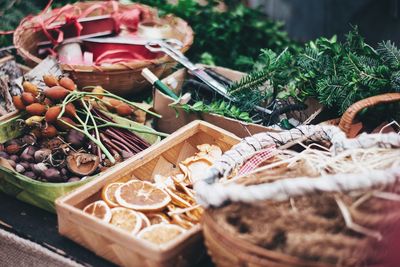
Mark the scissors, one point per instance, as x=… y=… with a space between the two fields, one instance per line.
x=172 y=47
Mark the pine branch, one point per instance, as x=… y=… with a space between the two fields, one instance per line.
x=390 y=54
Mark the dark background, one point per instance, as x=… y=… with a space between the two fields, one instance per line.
x=308 y=19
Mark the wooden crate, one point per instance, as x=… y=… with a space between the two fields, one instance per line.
x=116 y=245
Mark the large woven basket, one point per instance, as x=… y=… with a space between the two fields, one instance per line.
x=121 y=78
x=234 y=248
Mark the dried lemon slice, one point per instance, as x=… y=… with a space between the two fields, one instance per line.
x=141 y=196
x=126 y=219
x=108 y=194
x=160 y=234
x=99 y=209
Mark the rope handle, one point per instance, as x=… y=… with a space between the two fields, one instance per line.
x=348 y=117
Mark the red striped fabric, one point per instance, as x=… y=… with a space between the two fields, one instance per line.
x=257 y=160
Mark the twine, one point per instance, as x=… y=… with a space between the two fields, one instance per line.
x=211 y=193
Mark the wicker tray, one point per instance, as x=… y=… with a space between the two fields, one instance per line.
x=124 y=78
x=118 y=246
x=40 y=194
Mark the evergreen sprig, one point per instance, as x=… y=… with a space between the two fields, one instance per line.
x=338 y=74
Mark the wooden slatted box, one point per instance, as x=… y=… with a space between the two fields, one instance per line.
x=117 y=245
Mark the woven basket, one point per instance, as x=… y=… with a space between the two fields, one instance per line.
x=229 y=248
x=347 y=119
x=121 y=78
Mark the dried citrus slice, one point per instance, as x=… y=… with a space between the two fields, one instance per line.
x=141 y=196
x=213 y=151
x=157 y=218
x=99 y=209
x=126 y=219
x=160 y=233
x=194 y=168
x=108 y=194
x=178 y=198
x=145 y=221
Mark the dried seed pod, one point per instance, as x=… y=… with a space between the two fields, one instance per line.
x=13 y=149
x=67 y=83
x=19 y=168
x=48 y=102
x=28 y=98
x=52 y=113
x=98 y=90
x=52 y=175
x=42 y=154
x=36 y=109
x=123 y=109
x=30 y=88
x=39 y=168
x=64 y=122
x=34 y=120
x=29 y=139
x=25 y=164
x=56 y=92
x=50 y=131
x=50 y=80
x=70 y=110
x=4 y=155
x=114 y=102
x=17 y=101
x=14 y=158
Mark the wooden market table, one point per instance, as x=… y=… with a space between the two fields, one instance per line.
x=30 y=228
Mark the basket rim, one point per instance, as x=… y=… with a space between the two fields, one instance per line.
x=129 y=65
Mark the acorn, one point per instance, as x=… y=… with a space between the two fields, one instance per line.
x=50 y=80
x=67 y=83
x=13 y=148
x=30 y=88
x=28 y=98
x=36 y=109
x=17 y=101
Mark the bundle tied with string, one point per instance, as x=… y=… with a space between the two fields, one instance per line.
x=330 y=211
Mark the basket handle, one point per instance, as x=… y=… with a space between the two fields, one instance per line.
x=348 y=117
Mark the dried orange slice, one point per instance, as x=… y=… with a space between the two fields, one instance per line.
x=108 y=194
x=212 y=151
x=178 y=198
x=145 y=221
x=126 y=219
x=141 y=196
x=99 y=209
x=160 y=234
x=194 y=168
x=157 y=218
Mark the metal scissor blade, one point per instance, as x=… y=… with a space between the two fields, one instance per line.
x=207 y=79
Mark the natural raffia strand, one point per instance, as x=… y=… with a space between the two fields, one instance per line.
x=317 y=207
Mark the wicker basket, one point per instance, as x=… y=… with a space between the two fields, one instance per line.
x=122 y=78
x=346 y=121
x=229 y=247
x=125 y=249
